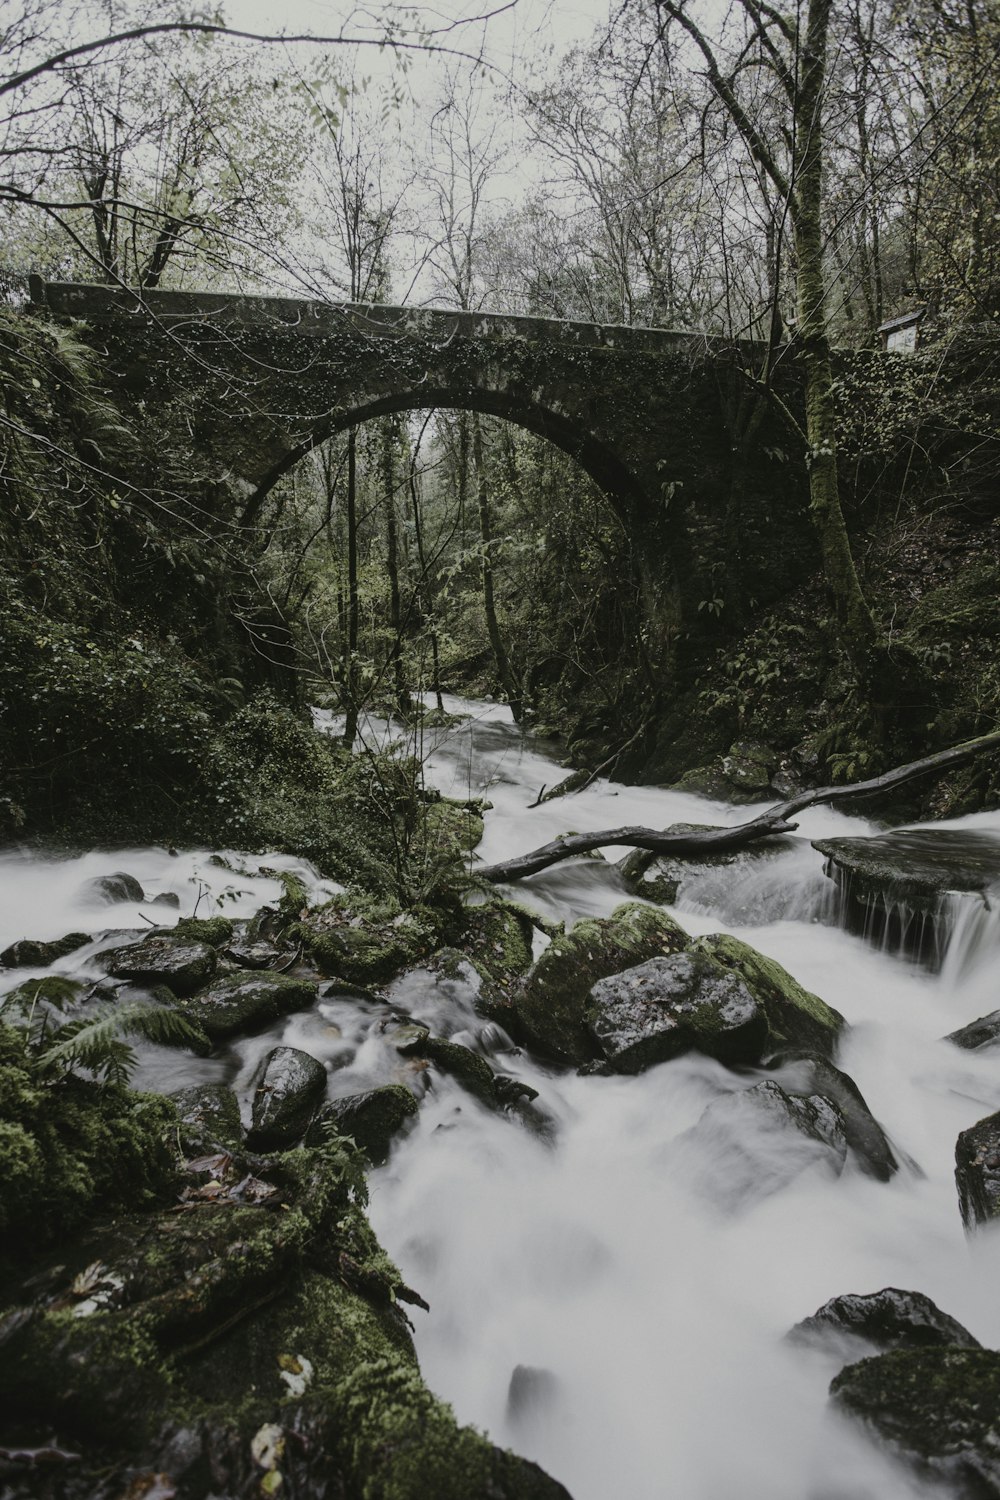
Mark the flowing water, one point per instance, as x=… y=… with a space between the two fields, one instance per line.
x=604 y=1297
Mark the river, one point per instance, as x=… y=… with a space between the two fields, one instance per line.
x=641 y=1301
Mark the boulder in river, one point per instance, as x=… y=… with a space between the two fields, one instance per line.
x=467 y=1068
x=372 y=1119
x=758 y=1140
x=215 y=931
x=113 y=889
x=982 y=1033
x=866 y=1140
x=937 y=1408
x=889 y=1319
x=550 y=1003
x=182 y=964
x=27 y=953
x=977 y=1172
x=240 y=1002
x=288 y=1088
x=893 y=886
x=354 y=937
x=795 y=1017
x=671 y=1005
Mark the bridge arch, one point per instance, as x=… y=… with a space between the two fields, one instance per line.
x=562 y=429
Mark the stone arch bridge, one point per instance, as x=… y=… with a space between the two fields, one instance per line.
x=648 y=413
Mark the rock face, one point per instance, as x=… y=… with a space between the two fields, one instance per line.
x=977 y=1172
x=237 y=1002
x=982 y=1033
x=758 y=1140
x=550 y=1004
x=938 y=1408
x=112 y=889
x=889 y=1319
x=667 y=1006
x=289 y=1087
x=372 y=1119
x=26 y=953
x=795 y=1017
x=182 y=964
x=865 y=1137
x=892 y=886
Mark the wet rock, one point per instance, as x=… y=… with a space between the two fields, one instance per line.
x=364 y=941
x=497 y=936
x=372 y=1119
x=112 y=889
x=167 y=898
x=461 y=1063
x=982 y=1033
x=531 y=1395
x=977 y=1172
x=550 y=1003
x=209 y=1116
x=892 y=887
x=795 y=1017
x=937 y=1408
x=289 y=1087
x=889 y=1319
x=866 y=1139
x=27 y=953
x=574 y=782
x=180 y=963
x=239 y=1002
x=758 y=1140
x=667 y=1006
x=253 y=955
x=749 y=766
x=215 y=931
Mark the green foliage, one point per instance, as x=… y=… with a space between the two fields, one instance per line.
x=67 y=1145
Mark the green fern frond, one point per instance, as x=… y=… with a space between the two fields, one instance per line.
x=95 y=1042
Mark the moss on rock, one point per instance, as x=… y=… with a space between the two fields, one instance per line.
x=549 y=1006
x=795 y=1016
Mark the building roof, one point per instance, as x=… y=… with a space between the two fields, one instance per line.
x=903 y=319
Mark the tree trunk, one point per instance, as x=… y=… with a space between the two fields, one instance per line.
x=504 y=672
x=390 y=433
x=351 y=664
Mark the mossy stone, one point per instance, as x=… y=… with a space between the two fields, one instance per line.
x=795 y=1017
x=550 y=1003
x=28 y=953
x=251 y=998
x=363 y=940
x=287 y=1090
x=209 y=1115
x=666 y=1006
x=182 y=964
x=372 y=1119
x=461 y=1063
x=939 y=1408
x=215 y=931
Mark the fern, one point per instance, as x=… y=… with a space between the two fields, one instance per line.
x=94 y=1042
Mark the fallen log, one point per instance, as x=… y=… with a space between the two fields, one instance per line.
x=695 y=842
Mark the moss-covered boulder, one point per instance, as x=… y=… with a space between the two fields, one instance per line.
x=938 y=1408
x=467 y=1068
x=209 y=1118
x=28 y=953
x=889 y=1319
x=795 y=1017
x=977 y=1172
x=365 y=940
x=372 y=1119
x=549 y=1005
x=253 y=1346
x=215 y=931
x=497 y=935
x=240 y=1002
x=667 y=1006
x=182 y=964
x=288 y=1088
